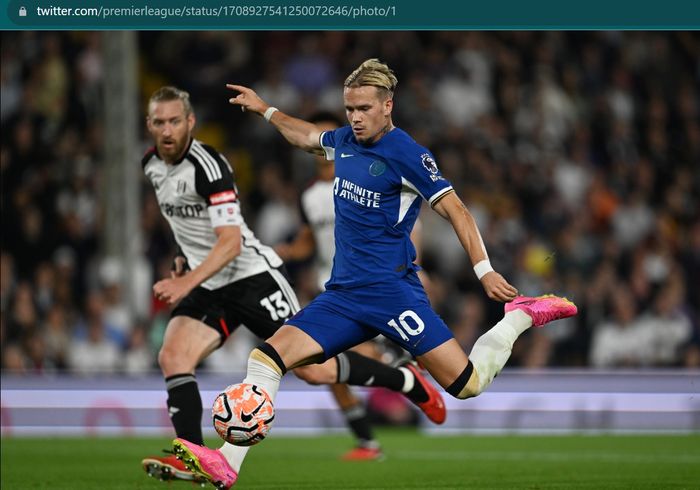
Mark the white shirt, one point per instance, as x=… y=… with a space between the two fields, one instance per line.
x=197 y=195
x=317 y=211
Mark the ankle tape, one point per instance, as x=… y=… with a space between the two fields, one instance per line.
x=267 y=354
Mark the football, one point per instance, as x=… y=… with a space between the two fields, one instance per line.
x=242 y=414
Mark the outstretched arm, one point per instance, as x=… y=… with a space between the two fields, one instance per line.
x=299 y=133
x=455 y=211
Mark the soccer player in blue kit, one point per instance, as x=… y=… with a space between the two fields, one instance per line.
x=381 y=175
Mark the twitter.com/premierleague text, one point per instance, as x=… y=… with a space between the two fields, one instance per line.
x=221 y=11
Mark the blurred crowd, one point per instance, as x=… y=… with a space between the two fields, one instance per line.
x=578 y=154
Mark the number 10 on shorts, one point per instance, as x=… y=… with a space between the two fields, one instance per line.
x=406 y=327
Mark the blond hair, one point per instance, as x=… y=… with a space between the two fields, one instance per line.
x=168 y=93
x=374 y=73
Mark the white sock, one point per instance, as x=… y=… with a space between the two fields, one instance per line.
x=259 y=374
x=492 y=350
x=408 y=380
x=234 y=455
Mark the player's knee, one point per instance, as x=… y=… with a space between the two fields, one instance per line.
x=465 y=393
x=314 y=375
x=266 y=355
x=172 y=360
x=466 y=385
x=168 y=359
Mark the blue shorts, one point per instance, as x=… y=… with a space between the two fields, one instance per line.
x=339 y=319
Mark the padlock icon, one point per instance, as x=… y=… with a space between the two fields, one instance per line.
x=22 y=12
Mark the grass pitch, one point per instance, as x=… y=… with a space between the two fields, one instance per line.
x=413 y=461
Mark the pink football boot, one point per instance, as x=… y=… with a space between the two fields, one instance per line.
x=205 y=462
x=543 y=309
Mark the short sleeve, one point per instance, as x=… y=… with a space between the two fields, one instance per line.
x=213 y=175
x=419 y=171
x=327 y=141
x=214 y=182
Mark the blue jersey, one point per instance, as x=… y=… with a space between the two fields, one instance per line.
x=377 y=197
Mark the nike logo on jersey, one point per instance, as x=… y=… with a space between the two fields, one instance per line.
x=172 y=411
x=247 y=417
x=370 y=381
x=346 y=155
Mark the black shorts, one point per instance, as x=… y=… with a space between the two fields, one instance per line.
x=262 y=303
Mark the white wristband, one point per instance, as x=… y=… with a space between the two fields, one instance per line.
x=269 y=112
x=482 y=268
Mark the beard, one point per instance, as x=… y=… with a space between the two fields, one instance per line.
x=173 y=150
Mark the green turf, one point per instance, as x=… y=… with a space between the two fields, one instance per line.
x=413 y=461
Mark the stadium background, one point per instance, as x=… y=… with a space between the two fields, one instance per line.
x=579 y=154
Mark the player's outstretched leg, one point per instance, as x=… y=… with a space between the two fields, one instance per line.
x=205 y=463
x=166 y=468
x=492 y=349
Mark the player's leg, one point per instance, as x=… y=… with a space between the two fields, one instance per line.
x=262 y=302
x=464 y=377
x=357 y=370
x=291 y=346
x=367 y=447
x=355 y=413
x=266 y=366
x=186 y=342
x=197 y=327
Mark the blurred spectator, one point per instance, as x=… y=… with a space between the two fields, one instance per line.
x=23 y=318
x=97 y=348
x=10 y=83
x=116 y=311
x=667 y=326
x=44 y=281
x=96 y=314
x=52 y=82
x=308 y=69
x=620 y=340
x=14 y=359
x=7 y=280
x=57 y=337
x=138 y=359
x=633 y=220
x=278 y=218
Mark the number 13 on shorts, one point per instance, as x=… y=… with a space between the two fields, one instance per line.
x=277 y=306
